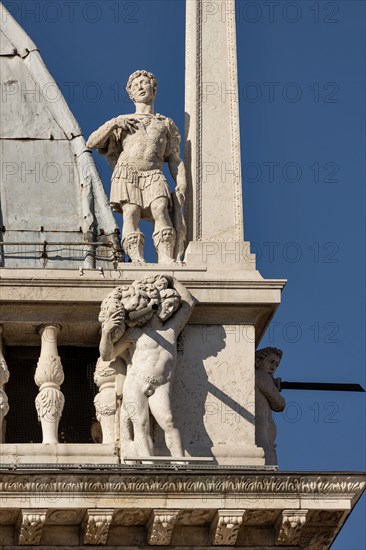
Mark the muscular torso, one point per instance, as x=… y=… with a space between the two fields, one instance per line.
x=145 y=148
x=152 y=354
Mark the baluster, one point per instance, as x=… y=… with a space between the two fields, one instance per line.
x=49 y=376
x=106 y=400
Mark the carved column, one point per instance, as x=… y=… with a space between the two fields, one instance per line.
x=49 y=377
x=225 y=527
x=160 y=527
x=30 y=525
x=96 y=526
x=289 y=526
x=4 y=377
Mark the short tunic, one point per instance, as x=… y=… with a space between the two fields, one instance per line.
x=136 y=186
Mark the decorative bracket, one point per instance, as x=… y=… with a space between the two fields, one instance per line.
x=96 y=526
x=160 y=526
x=289 y=526
x=30 y=524
x=225 y=527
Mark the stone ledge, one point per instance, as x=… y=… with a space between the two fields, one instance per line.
x=73 y=302
x=213 y=482
x=270 y=506
x=62 y=453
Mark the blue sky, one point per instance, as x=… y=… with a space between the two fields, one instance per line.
x=302 y=111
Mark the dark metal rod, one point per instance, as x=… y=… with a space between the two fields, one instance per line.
x=321 y=386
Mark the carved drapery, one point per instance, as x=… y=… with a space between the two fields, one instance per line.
x=49 y=376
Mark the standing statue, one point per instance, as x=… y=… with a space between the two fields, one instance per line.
x=267 y=399
x=141 y=324
x=136 y=147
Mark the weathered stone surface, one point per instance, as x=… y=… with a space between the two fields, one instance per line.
x=140 y=324
x=160 y=527
x=131 y=502
x=61 y=453
x=290 y=525
x=267 y=399
x=212 y=126
x=225 y=527
x=30 y=525
x=213 y=393
x=96 y=526
x=44 y=161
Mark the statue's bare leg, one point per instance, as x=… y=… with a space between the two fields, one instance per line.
x=164 y=233
x=160 y=408
x=135 y=408
x=132 y=238
x=160 y=214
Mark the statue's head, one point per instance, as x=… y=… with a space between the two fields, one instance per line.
x=141 y=87
x=268 y=359
x=169 y=303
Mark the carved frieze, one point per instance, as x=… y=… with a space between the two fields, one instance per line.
x=183 y=484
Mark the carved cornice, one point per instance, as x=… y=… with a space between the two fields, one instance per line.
x=193 y=484
x=160 y=526
x=225 y=527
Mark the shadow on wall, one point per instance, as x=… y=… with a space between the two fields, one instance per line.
x=191 y=393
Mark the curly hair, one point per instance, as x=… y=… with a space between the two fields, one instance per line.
x=265 y=352
x=136 y=74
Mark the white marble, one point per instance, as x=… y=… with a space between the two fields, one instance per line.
x=141 y=324
x=49 y=376
x=136 y=147
x=267 y=399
